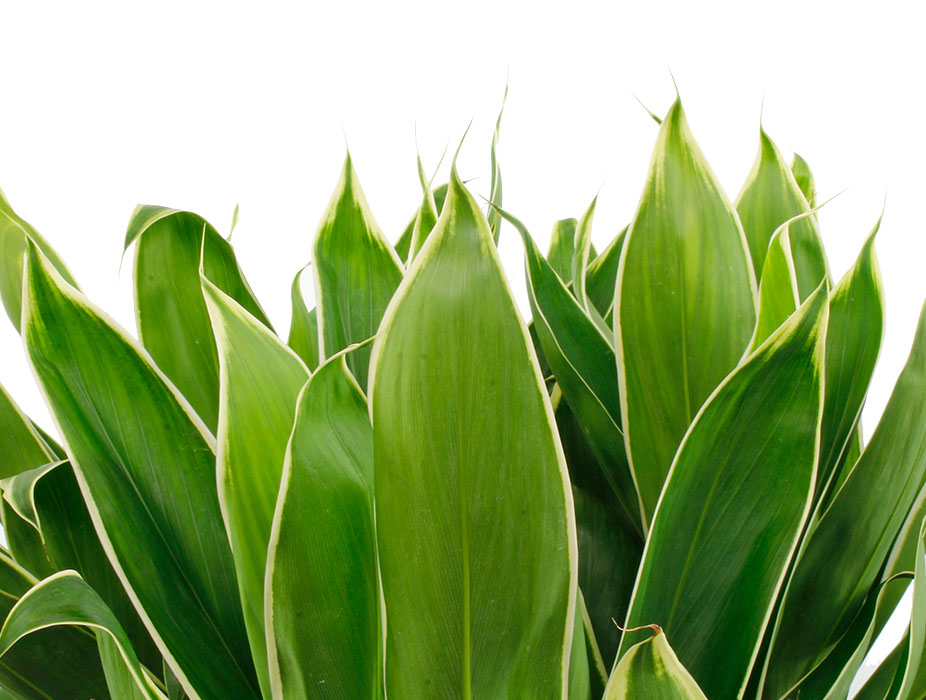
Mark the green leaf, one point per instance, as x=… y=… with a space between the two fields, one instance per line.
x=913 y=686
x=650 y=670
x=356 y=273
x=582 y=361
x=846 y=549
x=778 y=294
x=716 y=556
x=601 y=276
x=403 y=245
x=680 y=327
x=562 y=248
x=260 y=381
x=770 y=197
x=804 y=178
x=451 y=468
x=581 y=256
x=52 y=663
x=303 y=328
x=65 y=599
x=21 y=445
x=495 y=186
x=426 y=217
x=14 y=231
x=173 y=324
x=146 y=467
x=322 y=596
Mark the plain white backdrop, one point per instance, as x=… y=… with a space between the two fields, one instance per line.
x=203 y=106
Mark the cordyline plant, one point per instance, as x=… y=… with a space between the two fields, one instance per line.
x=417 y=495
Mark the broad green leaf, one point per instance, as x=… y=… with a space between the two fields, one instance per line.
x=173 y=324
x=146 y=467
x=403 y=245
x=803 y=176
x=58 y=662
x=14 y=231
x=495 y=186
x=322 y=598
x=562 y=248
x=650 y=670
x=260 y=381
x=778 y=295
x=474 y=609
x=680 y=327
x=770 y=197
x=853 y=339
x=426 y=217
x=601 y=276
x=356 y=274
x=845 y=550
x=582 y=361
x=49 y=499
x=716 y=556
x=65 y=599
x=303 y=328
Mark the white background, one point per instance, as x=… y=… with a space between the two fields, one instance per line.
x=202 y=106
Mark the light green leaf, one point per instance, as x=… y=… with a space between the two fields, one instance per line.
x=303 y=328
x=717 y=556
x=21 y=445
x=650 y=670
x=14 y=231
x=770 y=197
x=803 y=176
x=451 y=468
x=65 y=599
x=845 y=550
x=356 y=273
x=680 y=327
x=173 y=324
x=601 y=276
x=581 y=256
x=403 y=245
x=146 y=467
x=322 y=598
x=778 y=294
x=260 y=381
x=495 y=186
x=562 y=248
x=426 y=217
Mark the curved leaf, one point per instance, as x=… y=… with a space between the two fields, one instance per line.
x=404 y=243
x=650 y=670
x=803 y=176
x=322 y=598
x=601 y=277
x=562 y=248
x=451 y=469
x=680 y=327
x=260 y=381
x=426 y=217
x=125 y=424
x=303 y=328
x=717 y=556
x=356 y=273
x=778 y=294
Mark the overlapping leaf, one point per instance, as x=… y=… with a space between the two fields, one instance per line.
x=303 y=327
x=650 y=670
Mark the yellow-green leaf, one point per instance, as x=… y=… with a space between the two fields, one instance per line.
x=650 y=670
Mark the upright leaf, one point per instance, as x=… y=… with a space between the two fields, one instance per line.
x=717 y=554
x=146 y=467
x=173 y=324
x=562 y=248
x=303 y=328
x=778 y=294
x=804 y=178
x=581 y=256
x=404 y=243
x=426 y=217
x=356 y=273
x=650 y=670
x=846 y=549
x=601 y=275
x=680 y=326
x=495 y=187
x=913 y=685
x=770 y=197
x=452 y=471
x=260 y=381
x=14 y=231
x=322 y=593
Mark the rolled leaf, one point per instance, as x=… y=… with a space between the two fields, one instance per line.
x=716 y=556
x=146 y=467
x=804 y=178
x=495 y=186
x=474 y=608
x=303 y=328
x=173 y=324
x=260 y=381
x=356 y=273
x=778 y=293
x=650 y=670
x=322 y=595
x=680 y=327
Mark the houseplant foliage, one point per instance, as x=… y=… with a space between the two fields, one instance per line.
x=656 y=488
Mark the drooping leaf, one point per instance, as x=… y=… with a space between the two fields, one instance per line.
x=65 y=599
x=322 y=594
x=650 y=670
x=146 y=467
x=356 y=273
x=14 y=231
x=803 y=176
x=303 y=329
x=770 y=197
x=716 y=556
x=845 y=550
x=498 y=601
x=260 y=381
x=173 y=324
x=679 y=326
